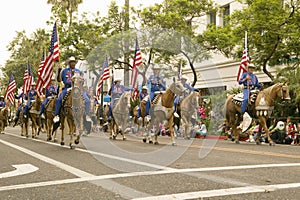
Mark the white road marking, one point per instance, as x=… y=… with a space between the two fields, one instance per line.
x=20 y=170
x=102 y=154
x=223 y=192
x=145 y=173
x=70 y=169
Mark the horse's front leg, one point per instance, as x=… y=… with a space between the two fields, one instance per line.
x=236 y=134
x=171 y=130
x=264 y=126
x=62 y=137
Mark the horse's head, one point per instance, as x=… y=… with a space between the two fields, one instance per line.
x=283 y=92
x=177 y=88
x=126 y=99
x=77 y=84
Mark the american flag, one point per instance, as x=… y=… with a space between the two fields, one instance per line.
x=180 y=71
x=53 y=55
x=137 y=61
x=244 y=63
x=28 y=79
x=12 y=86
x=105 y=75
x=40 y=84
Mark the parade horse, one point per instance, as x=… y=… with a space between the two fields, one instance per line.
x=73 y=110
x=23 y=121
x=34 y=115
x=261 y=108
x=49 y=110
x=120 y=115
x=162 y=110
x=143 y=121
x=188 y=106
x=4 y=114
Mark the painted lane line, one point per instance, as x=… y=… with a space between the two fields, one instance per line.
x=70 y=169
x=145 y=173
x=20 y=170
x=155 y=166
x=222 y=192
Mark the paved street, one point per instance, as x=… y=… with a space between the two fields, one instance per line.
x=99 y=168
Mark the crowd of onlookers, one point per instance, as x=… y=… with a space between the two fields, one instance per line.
x=281 y=132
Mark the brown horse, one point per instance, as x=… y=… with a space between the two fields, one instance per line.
x=162 y=109
x=23 y=121
x=262 y=108
x=143 y=121
x=34 y=115
x=4 y=112
x=120 y=112
x=188 y=106
x=49 y=110
x=73 y=109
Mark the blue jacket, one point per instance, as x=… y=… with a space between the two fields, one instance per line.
x=154 y=83
x=252 y=82
x=66 y=76
x=32 y=94
x=2 y=104
x=51 y=90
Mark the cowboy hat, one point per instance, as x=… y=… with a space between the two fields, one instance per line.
x=117 y=79
x=251 y=66
x=184 y=77
x=156 y=66
x=144 y=87
x=2 y=97
x=72 y=58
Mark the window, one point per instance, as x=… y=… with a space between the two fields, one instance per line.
x=226 y=13
x=212 y=17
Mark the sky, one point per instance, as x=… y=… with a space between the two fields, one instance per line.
x=29 y=15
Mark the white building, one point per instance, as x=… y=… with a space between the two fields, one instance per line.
x=219 y=73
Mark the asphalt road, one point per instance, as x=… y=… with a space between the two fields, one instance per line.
x=99 y=168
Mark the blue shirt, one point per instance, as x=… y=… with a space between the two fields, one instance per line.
x=118 y=90
x=66 y=76
x=154 y=83
x=32 y=94
x=186 y=85
x=253 y=81
x=106 y=98
x=2 y=104
x=142 y=95
x=51 y=90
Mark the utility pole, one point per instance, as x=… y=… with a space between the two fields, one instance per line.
x=126 y=43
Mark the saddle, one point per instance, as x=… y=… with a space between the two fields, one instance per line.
x=238 y=98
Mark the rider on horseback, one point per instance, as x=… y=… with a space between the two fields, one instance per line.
x=2 y=102
x=31 y=97
x=183 y=80
x=21 y=96
x=50 y=92
x=144 y=94
x=66 y=77
x=116 y=91
x=156 y=82
x=250 y=82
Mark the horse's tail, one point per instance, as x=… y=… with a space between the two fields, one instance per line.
x=227 y=111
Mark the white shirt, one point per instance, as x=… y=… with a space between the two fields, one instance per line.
x=203 y=128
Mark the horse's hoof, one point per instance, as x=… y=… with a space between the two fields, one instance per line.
x=55 y=140
x=174 y=144
x=187 y=138
x=124 y=139
x=156 y=143
x=114 y=137
x=258 y=143
x=49 y=139
x=110 y=137
x=62 y=143
x=72 y=146
x=150 y=142
x=27 y=136
x=237 y=142
x=271 y=144
x=144 y=140
x=76 y=141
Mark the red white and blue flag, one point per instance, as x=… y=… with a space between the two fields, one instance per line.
x=245 y=60
x=10 y=90
x=28 y=79
x=137 y=61
x=40 y=84
x=53 y=55
x=104 y=76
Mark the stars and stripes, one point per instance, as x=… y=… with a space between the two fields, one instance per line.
x=28 y=79
x=244 y=63
x=10 y=90
x=104 y=76
x=40 y=84
x=137 y=61
x=46 y=71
